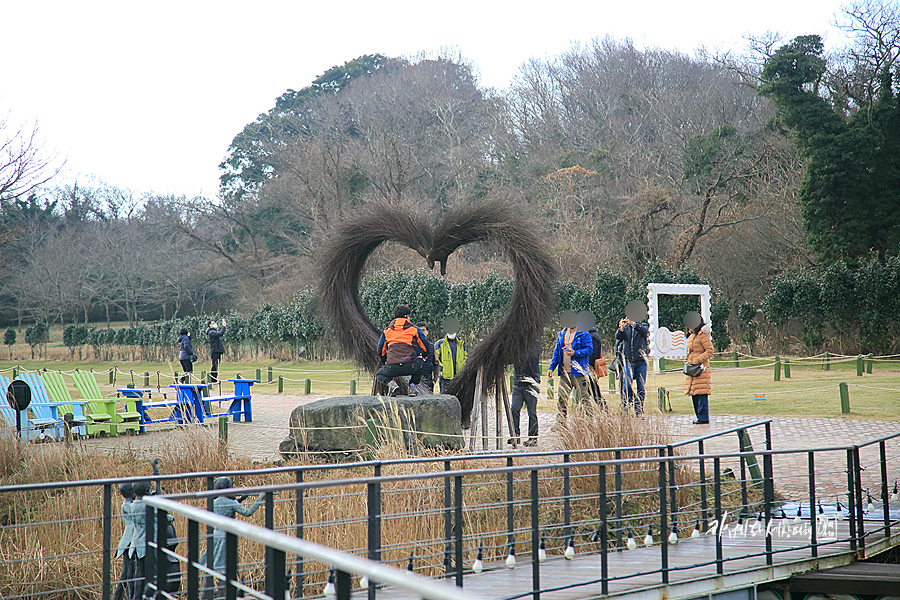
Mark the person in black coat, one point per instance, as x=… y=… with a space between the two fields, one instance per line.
x=216 y=349
x=634 y=350
x=525 y=391
x=427 y=381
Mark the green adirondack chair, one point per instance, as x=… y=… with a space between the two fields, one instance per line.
x=125 y=421
x=97 y=414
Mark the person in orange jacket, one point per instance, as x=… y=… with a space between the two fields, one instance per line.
x=401 y=347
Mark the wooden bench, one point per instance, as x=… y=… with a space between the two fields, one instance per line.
x=118 y=422
x=58 y=403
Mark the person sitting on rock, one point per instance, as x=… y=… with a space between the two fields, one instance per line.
x=401 y=347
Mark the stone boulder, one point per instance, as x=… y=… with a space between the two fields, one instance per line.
x=346 y=424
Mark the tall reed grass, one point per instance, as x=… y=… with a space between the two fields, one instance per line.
x=51 y=541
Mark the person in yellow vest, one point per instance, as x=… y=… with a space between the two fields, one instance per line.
x=449 y=353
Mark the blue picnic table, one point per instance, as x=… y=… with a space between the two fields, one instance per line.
x=241 y=403
x=190 y=405
x=137 y=394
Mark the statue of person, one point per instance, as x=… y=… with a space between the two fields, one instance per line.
x=138 y=547
x=125 y=576
x=173 y=567
x=227 y=506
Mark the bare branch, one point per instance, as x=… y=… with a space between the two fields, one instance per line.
x=24 y=165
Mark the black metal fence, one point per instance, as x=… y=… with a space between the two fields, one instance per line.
x=438 y=516
x=79 y=548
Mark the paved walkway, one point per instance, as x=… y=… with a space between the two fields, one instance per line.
x=259 y=441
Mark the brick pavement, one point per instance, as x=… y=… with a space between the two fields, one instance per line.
x=259 y=441
x=788 y=433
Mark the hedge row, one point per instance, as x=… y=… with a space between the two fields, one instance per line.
x=862 y=303
x=293 y=331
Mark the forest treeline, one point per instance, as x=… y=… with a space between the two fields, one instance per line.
x=746 y=170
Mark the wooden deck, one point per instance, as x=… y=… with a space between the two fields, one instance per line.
x=688 y=582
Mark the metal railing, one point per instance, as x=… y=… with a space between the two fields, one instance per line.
x=57 y=548
x=277 y=546
x=531 y=513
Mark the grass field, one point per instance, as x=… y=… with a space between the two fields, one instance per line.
x=332 y=378
x=810 y=391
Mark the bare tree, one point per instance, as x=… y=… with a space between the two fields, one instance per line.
x=652 y=125
x=24 y=164
x=857 y=74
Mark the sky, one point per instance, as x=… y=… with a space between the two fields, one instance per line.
x=148 y=96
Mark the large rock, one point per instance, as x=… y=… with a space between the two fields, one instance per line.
x=340 y=425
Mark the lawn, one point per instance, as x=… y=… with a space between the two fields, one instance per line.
x=332 y=377
x=810 y=391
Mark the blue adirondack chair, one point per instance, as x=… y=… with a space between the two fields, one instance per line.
x=44 y=414
x=7 y=412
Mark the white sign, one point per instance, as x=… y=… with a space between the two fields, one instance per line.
x=670 y=344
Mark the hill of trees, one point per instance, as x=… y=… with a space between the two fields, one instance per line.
x=773 y=164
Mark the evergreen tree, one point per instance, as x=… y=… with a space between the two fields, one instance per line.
x=850 y=195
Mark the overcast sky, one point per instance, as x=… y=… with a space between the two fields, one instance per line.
x=148 y=96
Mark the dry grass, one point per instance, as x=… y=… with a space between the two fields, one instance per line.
x=67 y=521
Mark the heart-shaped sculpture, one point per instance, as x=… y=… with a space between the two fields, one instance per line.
x=491 y=221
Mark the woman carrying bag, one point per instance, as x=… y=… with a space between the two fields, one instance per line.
x=186 y=354
x=698 y=381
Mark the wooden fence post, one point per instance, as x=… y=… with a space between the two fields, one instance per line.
x=223 y=434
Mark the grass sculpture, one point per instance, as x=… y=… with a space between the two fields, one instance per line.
x=492 y=221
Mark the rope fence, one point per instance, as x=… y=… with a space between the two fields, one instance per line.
x=159 y=380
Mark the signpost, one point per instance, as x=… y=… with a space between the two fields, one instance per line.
x=19 y=397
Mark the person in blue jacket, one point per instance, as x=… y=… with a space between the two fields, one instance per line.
x=633 y=337
x=570 y=360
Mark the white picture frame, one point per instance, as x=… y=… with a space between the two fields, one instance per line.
x=662 y=342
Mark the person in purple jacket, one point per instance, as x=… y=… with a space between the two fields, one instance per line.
x=186 y=354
